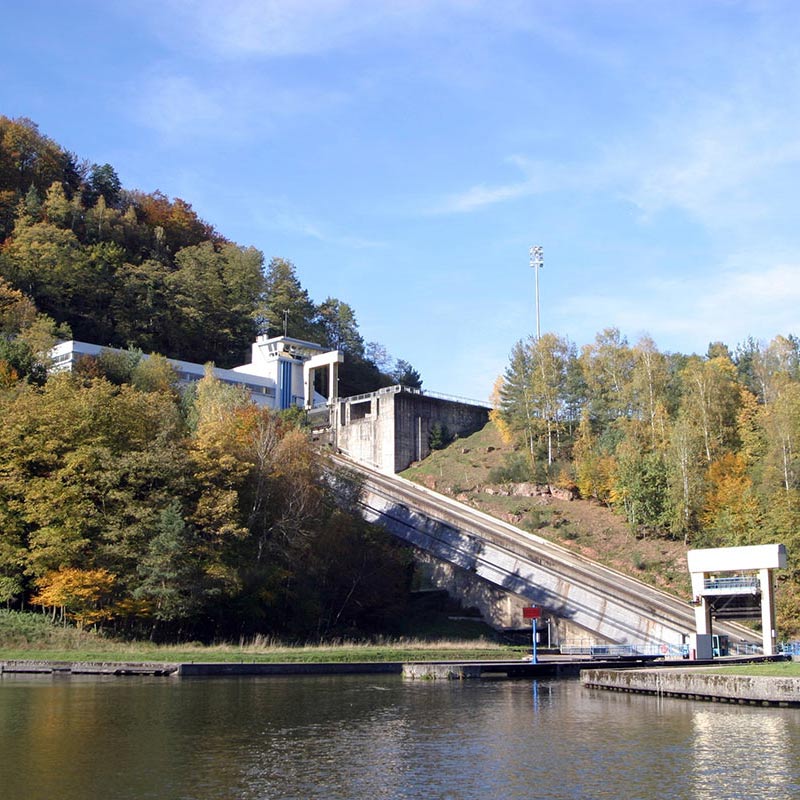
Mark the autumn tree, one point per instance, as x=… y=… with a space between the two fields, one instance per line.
x=731 y=515
x=608 y=365
x=85 y=595
x=711 y=396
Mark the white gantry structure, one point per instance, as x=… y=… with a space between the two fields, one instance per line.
x=730 y=582
x=282 y=372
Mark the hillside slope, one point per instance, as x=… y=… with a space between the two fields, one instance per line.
x=465 y=470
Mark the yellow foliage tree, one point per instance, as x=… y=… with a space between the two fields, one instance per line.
x=731 y=513
x=496 y=416
x=80 y=594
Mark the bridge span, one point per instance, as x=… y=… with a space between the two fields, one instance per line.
x=601 y=601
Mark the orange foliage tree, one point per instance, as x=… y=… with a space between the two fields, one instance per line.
x=84 y=595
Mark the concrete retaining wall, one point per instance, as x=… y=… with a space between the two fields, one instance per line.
x=40 y=667
x=390 y=429
x=198 y=670
x=500 y=609
x=697 y=685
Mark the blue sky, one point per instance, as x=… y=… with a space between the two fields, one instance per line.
x=405 y=155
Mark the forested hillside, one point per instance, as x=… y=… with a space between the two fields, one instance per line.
x=126 y=268
x=128 y=501
x=703 y=449
x=125 y=500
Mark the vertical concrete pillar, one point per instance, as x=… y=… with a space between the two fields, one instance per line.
x=702 y=616
x=333 y=382
x=308 y=382
x=702 y=610
x=767 y=612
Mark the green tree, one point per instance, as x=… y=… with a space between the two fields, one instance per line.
x=712 y=397
x=43 y=261
x=533 y=397
x=168 y=570
x=551 y=355
x=216 y=291
x=686 y=469
x=608 y=366
x=406 y=375
x=143 y=307
x=517 y=408
x=649 y=380
x=341 y=329
x=103 y=183
x=641 y=485
x=287 y=306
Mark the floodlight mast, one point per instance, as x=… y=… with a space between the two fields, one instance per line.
x=537 y=262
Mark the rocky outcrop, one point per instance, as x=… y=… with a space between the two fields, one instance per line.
x=532 y=490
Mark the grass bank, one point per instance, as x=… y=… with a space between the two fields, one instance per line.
x=28 y=636
x=768 y=669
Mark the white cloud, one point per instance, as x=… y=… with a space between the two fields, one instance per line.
x=174 y=105
x=477 y=197
x=715 y=163
x=281 y=28
x=178 y=106
x=280 y=217
x=277 y=28
x=687 y=312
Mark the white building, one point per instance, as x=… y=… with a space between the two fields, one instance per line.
x=281 y=373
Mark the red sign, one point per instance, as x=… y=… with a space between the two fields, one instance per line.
x=531 y=612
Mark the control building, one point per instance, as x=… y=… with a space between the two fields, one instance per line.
x=282 y=373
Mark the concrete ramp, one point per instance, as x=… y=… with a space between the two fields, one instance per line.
x=595 y=598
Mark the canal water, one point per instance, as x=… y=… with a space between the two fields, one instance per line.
x=381 y=737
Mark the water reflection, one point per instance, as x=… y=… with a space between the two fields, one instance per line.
x=729 y=742
x=353 y=737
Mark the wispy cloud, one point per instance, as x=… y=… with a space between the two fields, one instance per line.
x=280 y=217
x=535 y=176
x=287 y=28
x=719 y=164
x=279 y=28
x=477 y=197
x=176 y=105
x=687 y=312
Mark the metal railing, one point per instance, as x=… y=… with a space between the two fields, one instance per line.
x=423 y=392
x=665 y=650
x=625 y=650
x=748 y=582
x=744 y=649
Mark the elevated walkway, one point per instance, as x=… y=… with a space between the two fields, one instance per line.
x=612 y=606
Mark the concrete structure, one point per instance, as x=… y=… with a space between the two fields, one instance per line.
x=580 y=596
x=281 y=373
x=713 y=593
x=389 y=429
x=697 y=685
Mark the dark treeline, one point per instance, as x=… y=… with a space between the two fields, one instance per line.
x=704 y=449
